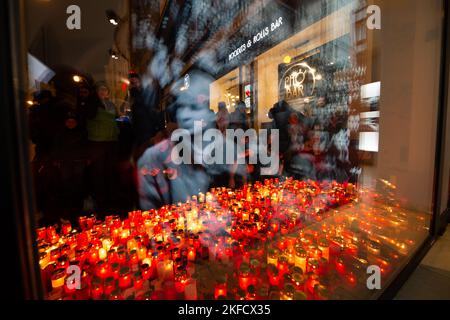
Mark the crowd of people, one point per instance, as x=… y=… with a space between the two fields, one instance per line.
x=84 y=149
x=92 y=157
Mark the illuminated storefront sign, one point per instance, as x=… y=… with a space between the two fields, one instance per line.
x=248 y=96
x=259 y=36
x=298 y=81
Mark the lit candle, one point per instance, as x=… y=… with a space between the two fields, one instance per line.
x=107 y=244
x=191 y=254
x=102 y=254
x=145 y=270
x=97 y=289
x=124 y=278
x=58 y=278
x=138 y=282
x=103 y=270
x=109 y=286
x=283 y=266
x=288 y=292
x=244 y=277
x=272 y=256
x=300 y=259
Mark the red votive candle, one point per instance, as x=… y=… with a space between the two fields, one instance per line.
x=110 y=285
x=138 y=281
x=124 y=278
x=96 y=289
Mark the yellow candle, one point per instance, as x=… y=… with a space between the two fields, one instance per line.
x=107 y=244
x=300 y=259
x=147 y=261
x=102 y=253
x=142 y=253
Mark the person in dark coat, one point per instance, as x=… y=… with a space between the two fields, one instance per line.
x=146 y=119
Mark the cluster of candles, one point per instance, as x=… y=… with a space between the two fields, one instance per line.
x=262 y=241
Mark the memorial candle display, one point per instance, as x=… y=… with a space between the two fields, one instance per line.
x=275 y=239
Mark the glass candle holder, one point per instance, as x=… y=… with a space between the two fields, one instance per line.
x=272 y=256
x=124 y=278
x=138 y=281
x=300 y=259
x=244 y=277
x=58 y=278
x=96 y=289
x=110 y=285
x=288 y=292
x=324 y=247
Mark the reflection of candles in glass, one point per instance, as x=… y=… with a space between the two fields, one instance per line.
x=165 y=269
x=124 y=278
x=58 y=277
x=351 y=249
x=325 y=248
x=373 y=248
x=300 y=259
x=351 y=279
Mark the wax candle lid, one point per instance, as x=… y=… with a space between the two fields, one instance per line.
x=96 y=281
x=124 y=270
x=109 y=280
x=58 y=273
x=298 y=278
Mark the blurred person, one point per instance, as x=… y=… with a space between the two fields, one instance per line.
x=146 y=120
x=103 y=134
x=238 y=118
x=163 y=181
x=222 y=117
x=44 y=120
